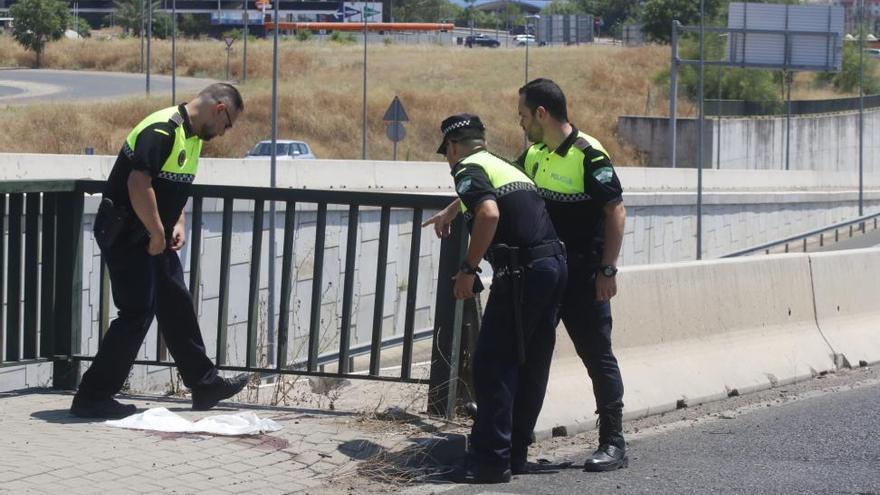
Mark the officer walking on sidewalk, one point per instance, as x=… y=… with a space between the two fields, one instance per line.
x=139 y=227
x=575 y=177
x=508 y=225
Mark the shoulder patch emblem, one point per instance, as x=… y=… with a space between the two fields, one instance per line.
x=463 y=185
x=604 y=174
x=181 y=158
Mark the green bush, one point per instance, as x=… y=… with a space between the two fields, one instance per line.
x=726 y=83
x=303 y=35
x=193 y=25
x=847 y=80
x=81 y=26
x=342 y=38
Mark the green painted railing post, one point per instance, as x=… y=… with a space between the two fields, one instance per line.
x=68 y=296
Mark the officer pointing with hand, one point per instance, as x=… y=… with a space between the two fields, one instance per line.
x=510 y=227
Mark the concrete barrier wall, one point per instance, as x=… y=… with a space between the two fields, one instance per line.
x=687 y=333
x=742 y=208
x=847 y=290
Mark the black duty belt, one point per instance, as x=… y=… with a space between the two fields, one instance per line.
x=504 y=256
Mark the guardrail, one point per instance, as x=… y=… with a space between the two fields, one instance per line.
x=802 y=239
x=44 y=220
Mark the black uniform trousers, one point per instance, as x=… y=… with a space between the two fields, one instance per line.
x=510 y=395
x=589 y=323
x=144 y=286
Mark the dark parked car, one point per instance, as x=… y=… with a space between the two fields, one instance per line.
x=481 y=40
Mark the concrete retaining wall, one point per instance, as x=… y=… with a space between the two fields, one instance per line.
x=826 y=142
x=687 y=333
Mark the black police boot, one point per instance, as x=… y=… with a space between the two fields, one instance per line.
x=611 y=454
x=109 y=408
x=519 y=455
x=483 y=475
x=519 y=464
x=206 y=397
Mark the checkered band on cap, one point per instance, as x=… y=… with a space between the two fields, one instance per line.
x=457 y=125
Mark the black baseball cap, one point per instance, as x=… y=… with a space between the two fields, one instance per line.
x=461 y=126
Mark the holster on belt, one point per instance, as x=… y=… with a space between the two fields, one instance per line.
x=116 y=226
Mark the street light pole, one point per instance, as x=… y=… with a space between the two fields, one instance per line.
x=700 y=129
x=143 y=21
x=271 y=330
x=861 y=108
x=526 y=41
x=364 y=121
x=173 y=52
x=149 y=39
x=244 y=56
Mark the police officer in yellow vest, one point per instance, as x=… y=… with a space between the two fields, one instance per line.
x=510 y=227
x=575 y=177
x=139 y=227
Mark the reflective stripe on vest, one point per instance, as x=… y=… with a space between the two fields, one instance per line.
x=560 y=178
x=504 y=177
x=183 y=161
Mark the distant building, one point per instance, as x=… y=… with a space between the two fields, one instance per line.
x=228 y=14
x=851 y=14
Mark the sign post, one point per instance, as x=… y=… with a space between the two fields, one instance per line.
x=395 y=116
x=229 y=41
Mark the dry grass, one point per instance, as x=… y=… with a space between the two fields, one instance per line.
x=320 y=94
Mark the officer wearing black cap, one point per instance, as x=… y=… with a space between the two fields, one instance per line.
x=510 y=227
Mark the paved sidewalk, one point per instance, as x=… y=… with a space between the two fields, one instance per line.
x=359 y=447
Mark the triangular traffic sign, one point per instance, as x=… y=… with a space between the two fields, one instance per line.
x=395 y=112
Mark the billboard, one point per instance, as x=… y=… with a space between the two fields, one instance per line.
x=792 y=37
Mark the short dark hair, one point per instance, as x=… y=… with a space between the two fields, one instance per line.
x=224 y=93
x=469 y=143
x=545 y=93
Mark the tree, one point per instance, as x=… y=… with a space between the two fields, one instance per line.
x=128 y=16
x=81 y=26
x=194 y=25
x=613 y=12
x=425 y=11
x=563 y=7
x=726 y=83
x=38 y=22
x=847 y=80
x=657 y=15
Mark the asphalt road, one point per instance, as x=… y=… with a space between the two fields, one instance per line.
x=816 y=442
x=25 y=86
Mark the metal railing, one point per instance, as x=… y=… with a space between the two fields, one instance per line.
x=48 y=216
x=801 y=240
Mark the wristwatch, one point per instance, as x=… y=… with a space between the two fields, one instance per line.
x=469 y=270
x=608 y=270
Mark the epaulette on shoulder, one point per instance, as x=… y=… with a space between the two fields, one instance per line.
x=582 y=144
x=176 y=119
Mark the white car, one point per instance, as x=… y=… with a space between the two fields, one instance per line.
x=286 y=150
x=524 y=39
